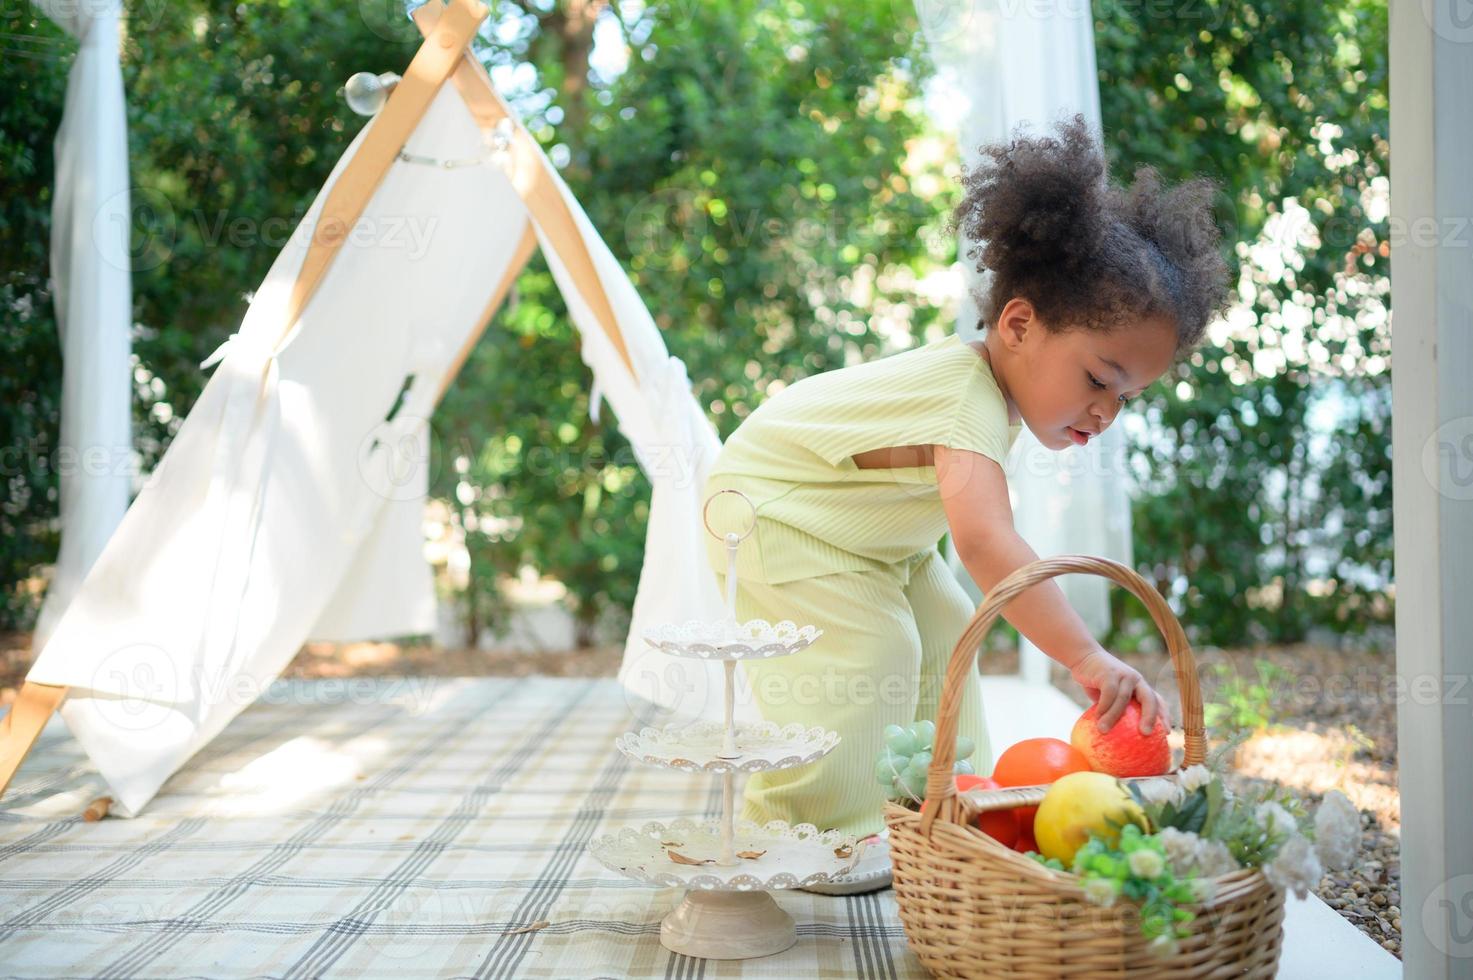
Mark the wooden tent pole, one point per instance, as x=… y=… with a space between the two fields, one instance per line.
x=34 y=705
x=533 y=182
x=439 y=55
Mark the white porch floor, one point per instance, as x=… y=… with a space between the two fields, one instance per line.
x=1318 y=941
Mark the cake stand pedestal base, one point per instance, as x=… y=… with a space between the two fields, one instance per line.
x=727 y=925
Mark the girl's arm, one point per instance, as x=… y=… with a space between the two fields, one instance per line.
x=974 y=493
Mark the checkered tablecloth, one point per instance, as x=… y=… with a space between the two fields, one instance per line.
x=416 y=827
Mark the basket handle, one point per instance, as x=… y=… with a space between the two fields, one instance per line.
x=940 y=780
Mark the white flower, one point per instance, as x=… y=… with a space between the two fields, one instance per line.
x=1190 y=854
x=1181 y=849
x=1205 y=889
x=1163 y=945
x=1101 y=891
x=1160 y=792
x=1146 y=863
x=1336 y=831
x=1195 y=777
x=1214 y=858
x=1296 y=866
x=1272 y=816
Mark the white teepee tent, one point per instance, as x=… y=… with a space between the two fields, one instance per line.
x=288 y=506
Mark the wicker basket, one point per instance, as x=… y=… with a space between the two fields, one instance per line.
x=972 y=907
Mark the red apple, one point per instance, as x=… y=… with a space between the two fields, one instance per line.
x=1000 y=825
x=1123 y=750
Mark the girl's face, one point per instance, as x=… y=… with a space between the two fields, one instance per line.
x=1068 y=387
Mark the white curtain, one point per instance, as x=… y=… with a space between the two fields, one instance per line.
x=998 y=65
x=90 y=268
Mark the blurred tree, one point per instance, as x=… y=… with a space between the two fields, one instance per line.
x=720 y=165
x=228 y=144
x=34 y=59
x=1257 y=527
x=764 y=171
x=233 y=123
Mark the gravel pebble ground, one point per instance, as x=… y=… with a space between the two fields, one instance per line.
x=1332 y=725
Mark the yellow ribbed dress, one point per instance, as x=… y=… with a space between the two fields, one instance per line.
x=854 y=552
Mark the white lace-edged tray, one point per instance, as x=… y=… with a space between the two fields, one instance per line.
x=729 y=640
x=697 y=747
x=784 y=856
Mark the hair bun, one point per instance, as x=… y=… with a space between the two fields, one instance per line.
x=1036 y=202
x=1041 y=216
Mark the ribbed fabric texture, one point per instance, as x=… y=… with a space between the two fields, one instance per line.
x=793 y=457
x=888 y=636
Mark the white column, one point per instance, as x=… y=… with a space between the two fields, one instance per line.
x=1432 y=432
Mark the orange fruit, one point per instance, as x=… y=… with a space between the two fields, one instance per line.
x=1000 y=825
x=1037 y=762
x=1123 y=750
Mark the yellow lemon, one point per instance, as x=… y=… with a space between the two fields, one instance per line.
x=1078 y=803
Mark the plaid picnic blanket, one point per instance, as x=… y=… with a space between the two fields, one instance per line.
x=395 y=827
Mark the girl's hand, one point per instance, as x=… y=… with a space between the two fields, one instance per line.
x=1111 y=683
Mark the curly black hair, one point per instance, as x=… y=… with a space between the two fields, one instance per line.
x=1041 y=214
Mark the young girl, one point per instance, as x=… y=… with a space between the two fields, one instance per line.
x=856 y=473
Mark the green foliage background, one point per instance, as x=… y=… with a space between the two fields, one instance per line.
x=1236 y=494
x=30 y=362
x=762 y=170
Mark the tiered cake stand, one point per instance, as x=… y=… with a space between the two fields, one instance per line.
x=728 y=866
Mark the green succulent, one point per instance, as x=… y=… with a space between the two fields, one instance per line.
x=1195 y=814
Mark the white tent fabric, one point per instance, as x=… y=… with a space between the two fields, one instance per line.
x=999 y=66
x=90 y=267
x=283 y=509
x=675 y=444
